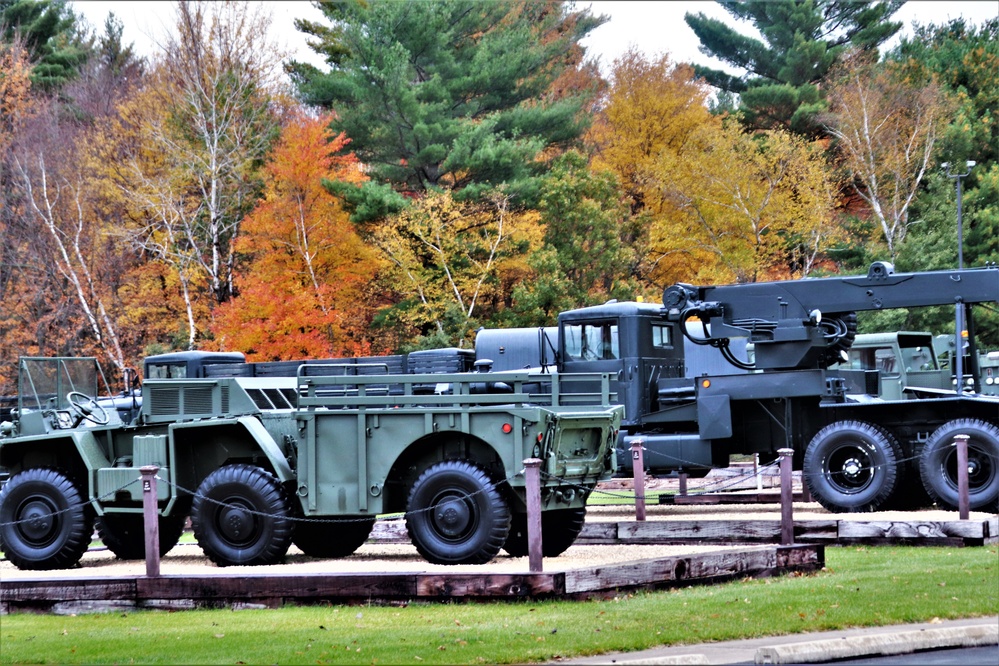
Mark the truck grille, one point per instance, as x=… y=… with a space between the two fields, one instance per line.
x=164 y=401
x=198 y=400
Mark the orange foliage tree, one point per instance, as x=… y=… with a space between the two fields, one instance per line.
x=306 y=286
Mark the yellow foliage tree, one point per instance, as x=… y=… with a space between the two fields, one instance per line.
x=741 y=207
x=652 y=106
x=449 y=258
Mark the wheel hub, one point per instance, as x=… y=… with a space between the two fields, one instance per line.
x=852 y=468
x=236 y=524
x=37 y=521
x=451 y=517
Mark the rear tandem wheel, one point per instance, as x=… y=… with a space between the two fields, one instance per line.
x=852 y=466
x=938 y=464
x=559 y=529
x=332 y=536
x=124 y=534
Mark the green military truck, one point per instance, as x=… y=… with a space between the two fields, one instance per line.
x=260 y=463
x=913 y=364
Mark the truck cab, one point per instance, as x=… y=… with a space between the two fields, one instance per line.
x=905 y=361
x=632 y=342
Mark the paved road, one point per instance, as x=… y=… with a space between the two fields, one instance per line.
x=819 y=647
x=977 y=656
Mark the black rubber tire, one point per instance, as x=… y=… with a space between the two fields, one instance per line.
x=938 y=464
x=339 y=537
x=852 y=466
x=124 y=534
x=456 y=515
x=559 y=529
x=242 y=515
x=57 y=525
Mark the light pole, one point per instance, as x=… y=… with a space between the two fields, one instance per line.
x=960 y=231
x=959 y=307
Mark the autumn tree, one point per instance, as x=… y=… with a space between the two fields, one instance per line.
x=58 y=206
x=17 y=105
x=800 y=40
x=741 y=207
x=886 y=128
x=305 y=287
x=216 y=71
x=652 y=105
x=448 y=94
x=447 y=260
x=184 y=156
x=59 y=269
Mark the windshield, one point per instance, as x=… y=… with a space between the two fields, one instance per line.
x=44 y=383
x=591 y=342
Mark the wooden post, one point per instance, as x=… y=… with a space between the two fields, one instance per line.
x=963 y=503
x=683 y=483
x=638 y=472
x=756 y=472
x=786 y=497
x=151 y=519
x=532 y=483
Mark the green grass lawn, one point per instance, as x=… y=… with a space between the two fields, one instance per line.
x=860 y=586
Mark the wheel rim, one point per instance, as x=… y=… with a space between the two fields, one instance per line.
x=981 y=470
x=452 y=515
x=850 y=468
x=236 y=522
x=39 y=525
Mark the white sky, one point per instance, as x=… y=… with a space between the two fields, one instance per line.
x=653 y=27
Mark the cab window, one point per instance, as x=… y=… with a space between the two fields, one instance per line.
x=592 y=342
x=166 y=371
x=662 y=336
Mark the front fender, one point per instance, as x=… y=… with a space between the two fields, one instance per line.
x=254 y=434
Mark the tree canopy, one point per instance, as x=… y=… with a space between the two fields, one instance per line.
x=49 y=31
x=801 y=40
x=452 y=94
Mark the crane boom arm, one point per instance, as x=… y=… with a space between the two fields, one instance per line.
x=804 y=323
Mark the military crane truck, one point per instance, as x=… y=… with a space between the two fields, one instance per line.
x=858 y=452
x=260 y=463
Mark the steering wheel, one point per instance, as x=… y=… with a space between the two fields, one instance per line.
x=87 y=408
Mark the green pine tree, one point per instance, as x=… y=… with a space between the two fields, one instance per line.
x=450 y=94
x=50 y=32
x=801 y=39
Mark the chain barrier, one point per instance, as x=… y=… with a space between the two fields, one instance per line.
x=329 y=521
x=721 y=484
